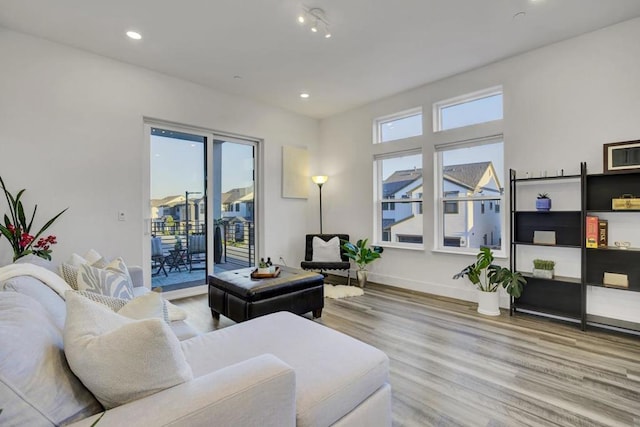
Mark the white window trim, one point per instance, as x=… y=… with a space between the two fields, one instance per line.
x=377 y=197
x=438 y=196
x=467 y=97
x=378 y=122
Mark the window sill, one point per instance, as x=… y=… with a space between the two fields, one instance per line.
x=496 y=254
x=412 y=247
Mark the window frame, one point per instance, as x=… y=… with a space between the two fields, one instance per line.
x=380 y=121
x=463 y=99
x=440 y=199
x=378 y=232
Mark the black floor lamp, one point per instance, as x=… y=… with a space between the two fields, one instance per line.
x=320 y=179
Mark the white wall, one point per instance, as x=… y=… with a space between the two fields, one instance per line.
x=72 y=134
x=562 y=102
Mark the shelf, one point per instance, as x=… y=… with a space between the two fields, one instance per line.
x=614 y=248
x=552 y=296
x=532 y=309
x=595 y=320
x=631 y=287
x=602 y=188
x=566 y=224
x=562 y=279
x=547 y=246
x=546 y=178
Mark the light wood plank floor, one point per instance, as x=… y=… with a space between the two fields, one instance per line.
x=453 y=367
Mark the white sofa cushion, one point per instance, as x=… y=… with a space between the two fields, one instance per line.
x=334 y=372
x=118 y=359
x=36 y=385
x=53 y=304
x=147 y=306
x=328 y=251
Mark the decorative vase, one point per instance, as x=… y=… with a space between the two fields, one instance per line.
x=489 y=303
x=361 y=275
x=544 y=274
x=543 y=204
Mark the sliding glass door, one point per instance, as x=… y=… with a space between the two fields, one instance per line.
x=202 y=206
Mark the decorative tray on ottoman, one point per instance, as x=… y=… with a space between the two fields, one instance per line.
x=256 y=275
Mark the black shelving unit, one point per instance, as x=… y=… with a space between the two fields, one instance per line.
x=599 y=190
x=561 y=297
x=567 y=297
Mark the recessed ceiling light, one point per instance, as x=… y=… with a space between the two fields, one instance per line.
x=304 y=95
x=301 y=19
x=134 y=35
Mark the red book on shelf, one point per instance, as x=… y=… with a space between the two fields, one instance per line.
x=592 y=231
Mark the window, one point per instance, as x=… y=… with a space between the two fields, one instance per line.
x=470 y=109
x=399 y=198
x=450 y=206
x=470 y=179
x=399 y=126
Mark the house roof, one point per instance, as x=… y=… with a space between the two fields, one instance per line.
x=167 y=201
x=235 y=194
x=468 y=174
x=399 y=179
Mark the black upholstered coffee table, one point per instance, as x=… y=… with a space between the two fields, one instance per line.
x=236 y=295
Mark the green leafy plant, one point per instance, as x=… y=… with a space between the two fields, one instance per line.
x=18 y=230
x=543 y=264
x=543 y=195
x=361 y=253
x=487 y=276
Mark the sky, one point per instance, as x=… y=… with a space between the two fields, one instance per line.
x=177 y=165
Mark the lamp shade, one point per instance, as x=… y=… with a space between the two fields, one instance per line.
x=320 y=179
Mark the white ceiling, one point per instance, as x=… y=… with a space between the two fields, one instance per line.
x=378 y=48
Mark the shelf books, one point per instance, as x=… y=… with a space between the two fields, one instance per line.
x=603 y=233
x=591 y=231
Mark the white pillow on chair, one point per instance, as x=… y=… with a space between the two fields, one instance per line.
x=326 y=251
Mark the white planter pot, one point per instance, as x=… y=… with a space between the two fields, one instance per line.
x=544 y=274
x=489 y=303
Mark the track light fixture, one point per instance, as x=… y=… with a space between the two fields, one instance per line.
x=317 y=20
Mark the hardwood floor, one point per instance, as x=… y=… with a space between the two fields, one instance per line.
x=453 y=367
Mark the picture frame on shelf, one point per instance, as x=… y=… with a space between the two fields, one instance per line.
x=621 y=157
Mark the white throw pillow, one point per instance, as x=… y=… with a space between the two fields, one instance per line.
x=92 y=256
x=113 y=281
x=148 y=306
x=326 y=251
x=118 y=359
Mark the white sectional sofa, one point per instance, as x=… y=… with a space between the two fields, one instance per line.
x=277 y=370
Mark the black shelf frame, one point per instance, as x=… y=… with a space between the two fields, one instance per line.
x=559 y=297
x=563 y=297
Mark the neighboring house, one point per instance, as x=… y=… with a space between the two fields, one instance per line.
x=238 y=202
x=174 y=207
x=466 y=223
x=402 y=222
x=472 y=223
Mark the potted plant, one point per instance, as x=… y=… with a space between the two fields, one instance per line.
x=488 y=277
x=362 y=255
x=543 y=203
x=543 y=268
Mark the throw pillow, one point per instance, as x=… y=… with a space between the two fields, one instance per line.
x=69 y=273
x=118 y=359
x=92 y=256
x=146 y=306
x=328 y=251
x=113 y=281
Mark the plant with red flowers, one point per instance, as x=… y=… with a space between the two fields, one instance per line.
x=18 y=231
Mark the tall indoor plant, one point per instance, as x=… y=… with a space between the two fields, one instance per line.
x=362 y=255
x=488 y=277
x=17 y=229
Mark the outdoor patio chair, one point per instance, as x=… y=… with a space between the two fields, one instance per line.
x=322 y=266
x=158 y=258
x=197 y=250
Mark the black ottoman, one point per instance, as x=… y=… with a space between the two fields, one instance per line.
x=237 y=296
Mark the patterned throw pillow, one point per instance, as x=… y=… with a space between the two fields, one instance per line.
x=70 y=274
x=114 y=281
